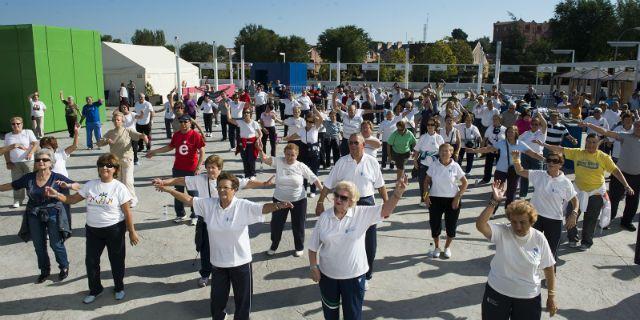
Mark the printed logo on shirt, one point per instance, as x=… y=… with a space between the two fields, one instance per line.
x=349 y=230
x=184 y=148
x=587 y=164
x=102 y=199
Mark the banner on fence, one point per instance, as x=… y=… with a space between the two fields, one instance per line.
x=547 y=69
x=369 y=66
x=334 y=66
x=400 y=66
x=509 y=68
x=437 y=67
x=209 y=66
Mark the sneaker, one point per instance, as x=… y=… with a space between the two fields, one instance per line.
x=119 y=295
x=435 y=253
x=467 y=174
x=16 y=205
x=298 y=253
x=43 y=276
x=179 y=219
x=194 y=221
x=215 y=125
x=232 y=149
x=366 y=285
x=422 y=204
x=64 y=273
x=203 y=281
x=136 y=163
x=271 y=252
x=447 y=253
x=90 y=298
x=628 y=226
x=584 y=247
x=312 y=195
x=573 y=244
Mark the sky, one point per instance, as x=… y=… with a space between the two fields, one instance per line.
x=220 y=20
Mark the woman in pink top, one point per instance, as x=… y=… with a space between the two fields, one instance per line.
x=524 y=122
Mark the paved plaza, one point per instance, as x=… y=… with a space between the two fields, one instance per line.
x=161 y=273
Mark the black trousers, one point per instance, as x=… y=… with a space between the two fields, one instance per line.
x=470 y=157
x=146 y=129
x=259 y=110
x=208 y=122
x=234 y=134
x=298 y=221
x=71 y=124
x=224 y=123
x=272 y=136
x=205 y=251
x=310 y=155
x=321 y=143
x=439 y=206
x=385 y=156
x=379 y=115
x=496 y=306
x=488 y=165
x=240 y=278
x=344 y=147
x=331 y=146
x=591 y=214
x=552 y=230
x=177 y=204
x=511 y=178
x=248 y=160
x=616 y=192
x=134 y=147
x=111 y=237
x=371 y=237
x=168 y=128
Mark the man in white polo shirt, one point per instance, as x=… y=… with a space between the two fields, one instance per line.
x=364 y=171
x=351 y=122
x=261 y=98
x=144 y=115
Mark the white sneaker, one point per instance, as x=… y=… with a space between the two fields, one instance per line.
x=298 y=253
x=366 y=285
x=119 y=295
x=312 y=195
x=194 y=221
x=180 y=219
x=215 y=125
x=435 y=253
x=422 y=204
x=447 y=253
x=16 y=204
x=271 y=252
x=232 y=149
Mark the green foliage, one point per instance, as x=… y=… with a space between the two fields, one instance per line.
x=197 y=51
x=513 y=45
x=260 y=44
x=462 y=50
x=438 y=52
x=352 y=40
x=295 y=48
x=148 y=37
x=389 y=73
x=458 y=34
x=628 y=13
x=109 y=38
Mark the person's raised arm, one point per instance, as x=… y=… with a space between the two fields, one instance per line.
x=178 y=181
x=74 y=146
x=70 y=199
x=556 y=149
x=486 y=149
x=323 y=195
x=600 y=130
x=265 y=158
x=164 y=149
x=252 y=184
x=180 y=196
x=543 y=123
x=61 y=96
x=271 y=207
x=482 y=222
x=392 y=202
x=515 y=159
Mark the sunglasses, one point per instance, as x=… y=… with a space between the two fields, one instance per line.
x=431 y=125
x=341 y=197
x=42 y=160
x=16 y=123
x=184 y=121
x=554 y=161
x=354 y=143
x=108 y=165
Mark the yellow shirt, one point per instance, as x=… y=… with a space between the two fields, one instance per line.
x=589 y=167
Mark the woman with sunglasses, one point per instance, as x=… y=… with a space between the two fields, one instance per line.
x=339 y=237
x=121 y=141
x=109 y=216
x=250 y=141
x=442 y=196
x=60 y=154
x=235 y=111
x=20 y=159
x=309 y=144
x=179 y=111
x=553 y=191
x=538 y=131
x=426 y=150
x=513 y=287
x=227 y=219
x=45 y=217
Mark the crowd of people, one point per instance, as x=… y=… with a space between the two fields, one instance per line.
x=341 y=131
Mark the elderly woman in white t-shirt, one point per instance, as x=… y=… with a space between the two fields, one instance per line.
x=425 y=151
x=108 y=218
x=513 y=288
x=442 y=196
x=339 y=238
x=228 y=219
x=250 y=140
x=290 y=177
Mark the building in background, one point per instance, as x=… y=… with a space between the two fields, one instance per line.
x=532 y=31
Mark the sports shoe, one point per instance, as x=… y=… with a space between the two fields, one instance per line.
x=312 y=195
x=16 y=205
x=584 y=247
x=422 y=204
x=271 y=252
x=435 y=253
x=215 y=125
x=203 y=281
x=573 y=244
x=366 y=285
x=194 y=221
x=628 y=226
x=180 y=219
x=43 y=276
x=298 y=253
x=119 y=295
x=90 y=298
x=64 y=273
x=447 y=253
x=232 y=149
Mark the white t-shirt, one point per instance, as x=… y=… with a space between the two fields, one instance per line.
x=552 y=194
x=61 y=162
x=104 y=201
x=236 y=109
x=449 y=138
x=37 y=108
x=305 y=102
x=613 y=117
x=468 y=134
x=445 y=179
x=515 y=269
x=168 y=111
x=428 y=146
x=289 y=179
x=268 y=119
x=289 y=105
x=602 y=123
x=493 y=138
x=260 y=98
x=387 y=127
x=308 y=136
x=130 y=121
x=145 y=109
x=528 y=137
x=228 y=229
x=123 y=92
x=248 y=130
x=350 y=125
x=207 y=188
x=340 y=242
x=207 y=107
x=366 y=174
x=369 y=149
x=24 y=138
x=297 y=124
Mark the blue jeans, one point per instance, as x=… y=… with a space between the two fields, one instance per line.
x=350 y=291
x=177 y=204
x=95 y=128
x=39 y=231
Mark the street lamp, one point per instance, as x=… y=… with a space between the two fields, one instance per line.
x=615 y=56
x=284 y=57
x=629 y=44
x=566 y=51
x=177 y=53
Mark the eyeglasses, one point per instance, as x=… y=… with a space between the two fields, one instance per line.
x=554 y=161
x=42 y=160
x=107 y=165
x=354 y=143
x=184 y=121
x=16 y=123
x=340 y=197
x=431 y=124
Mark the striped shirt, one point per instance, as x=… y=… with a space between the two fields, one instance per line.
x=555 y=133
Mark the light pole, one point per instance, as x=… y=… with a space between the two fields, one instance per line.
x=628 y=44
x=230 y=51
x=177 y=52
x=566 y=51
x=338 y=67
x=242 y=66
x=615 y=55
x=284 y=57
x=215 y=67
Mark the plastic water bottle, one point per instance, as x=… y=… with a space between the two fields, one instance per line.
x=431 y=248
x=165 y=212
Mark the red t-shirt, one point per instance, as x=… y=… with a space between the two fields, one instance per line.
x=244 y=97
x=187 y=146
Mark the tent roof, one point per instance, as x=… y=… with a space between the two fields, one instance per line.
x=570 y=74
x=154 y=59
x=622 y=76
x=593 y=74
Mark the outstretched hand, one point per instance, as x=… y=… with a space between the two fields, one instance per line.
x=270 y=181
x=50 y=192
x=499 y=189
x=402 y=183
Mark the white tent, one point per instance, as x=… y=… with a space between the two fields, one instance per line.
x=142 y=64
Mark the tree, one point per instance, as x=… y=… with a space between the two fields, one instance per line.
x=462 y=50
x=485 y=42
x=513 y=46
x=438 y=52
x=197 y=51
x=628 y=13
x=584 y=26
x=295 y=48
x=458 y=34
x=260 y=44
x=389 y=73
x=109 y=38
x=352 y=40
x=148 y=37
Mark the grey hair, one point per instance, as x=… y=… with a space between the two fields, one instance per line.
x=48 y=152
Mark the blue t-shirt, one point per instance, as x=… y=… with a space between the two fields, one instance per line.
x=91 y=112
x=35 y=193
x=501 y=145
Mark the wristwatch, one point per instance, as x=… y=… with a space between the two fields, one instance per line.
x=313 y=267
